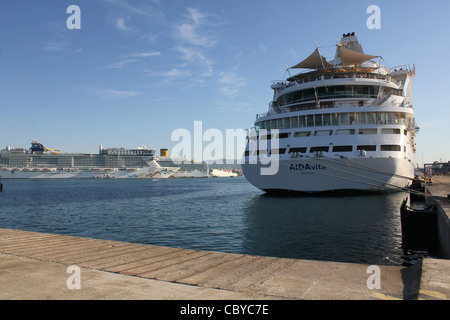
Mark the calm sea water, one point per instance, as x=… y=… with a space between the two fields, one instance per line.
x=214 y=214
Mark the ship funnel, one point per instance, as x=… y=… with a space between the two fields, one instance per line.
x=164 y=153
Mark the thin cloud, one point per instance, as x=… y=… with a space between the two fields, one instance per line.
x=115 y=94
x=146 y=54
x=120 y=64
x=170 y=75
x=192 y=31
x=196 y=15
x=143 y=8
x=150 y=37
x=121 y=25
x=132 y=58
x=195 y=37
x=193 y=55
x=232 y=83
x=54 y=46
x=190 y=34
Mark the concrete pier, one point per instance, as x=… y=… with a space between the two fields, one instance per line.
x=35 y=266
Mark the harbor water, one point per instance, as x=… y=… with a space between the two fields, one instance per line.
x=213 y=214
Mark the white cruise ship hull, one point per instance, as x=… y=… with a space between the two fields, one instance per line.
x=313 y=175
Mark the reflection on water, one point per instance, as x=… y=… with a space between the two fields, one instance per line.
x=363 y=229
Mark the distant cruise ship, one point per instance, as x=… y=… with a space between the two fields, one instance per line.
x=186 y=170
x=346 y=124
x=110 y=163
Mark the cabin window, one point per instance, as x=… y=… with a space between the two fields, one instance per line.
x=327 y=119
x=390 y=147
x=273 y=124
x=316 y=149
x=367 y=131
x=342 y=148
x=280 y=124
x=294 y=122
x=335 y=119
x=381 y=118
x=352 y=118
x=278 y=151
x=345 y=131
x=367 y=148
x=297 y=150
x=318 y=120
x=302 y=121
x=390 y=131
x=302 y=134
x=343 y=118
x=284 y=135
x=371 y=118
x=338 y=119
x=287 y=123
x=323 y=133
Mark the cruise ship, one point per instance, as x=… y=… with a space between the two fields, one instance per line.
x=109 y=163
x=341 y=125
x=186 y=169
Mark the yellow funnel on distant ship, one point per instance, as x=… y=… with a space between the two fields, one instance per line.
x=164 y=153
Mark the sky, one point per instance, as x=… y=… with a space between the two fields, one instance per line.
x=138 y=70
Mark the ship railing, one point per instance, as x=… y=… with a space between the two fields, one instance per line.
x=262 y=115
x=337 y=104
x=278 y=84
x=303 y=78
x=400 y=68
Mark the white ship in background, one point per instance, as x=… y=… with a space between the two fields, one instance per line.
x=345 y=124
x=186 y=170
x=41 y=162
x=222 y=173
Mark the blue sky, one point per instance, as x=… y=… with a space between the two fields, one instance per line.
x=137 y=70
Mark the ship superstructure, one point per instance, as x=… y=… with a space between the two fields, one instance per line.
x=344 y=124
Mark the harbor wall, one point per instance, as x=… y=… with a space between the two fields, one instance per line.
x=443 y=227
x=440 y=190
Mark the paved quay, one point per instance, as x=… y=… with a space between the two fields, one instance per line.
x=440 y=191
x=436 y=273
x=35 y=266
x=440 y=186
